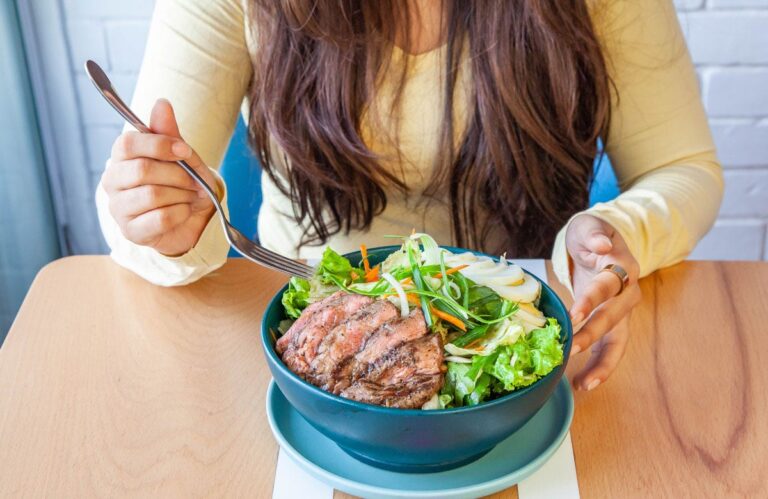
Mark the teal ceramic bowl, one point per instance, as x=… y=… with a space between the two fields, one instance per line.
x=410 y=440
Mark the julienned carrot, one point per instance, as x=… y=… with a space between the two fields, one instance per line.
x=407 y=280
x=450 y=271
x=456 y=269
x=414 y=299
x=449 y=318
x=364 y=254
x=372 y=275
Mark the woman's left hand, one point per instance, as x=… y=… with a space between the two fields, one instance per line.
x=592 y=244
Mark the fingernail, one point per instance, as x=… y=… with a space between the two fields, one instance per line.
x=575 y=319
x=181 y=149
x=575 y=349
x=593 y=384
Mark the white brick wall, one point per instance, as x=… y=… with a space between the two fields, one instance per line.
x=728 y=40
x=111 y=32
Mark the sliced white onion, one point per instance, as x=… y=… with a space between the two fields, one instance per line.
x=454 y=290
x=532 y=317
x=505 y=278
x=460 y=352
x=483 y=266
x=456 y=259
x=526 y=292
x=500 y=276
x=400 y=293
x=433 y=282
x=459 y=360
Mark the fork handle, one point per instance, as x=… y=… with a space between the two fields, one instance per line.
x=104 y=86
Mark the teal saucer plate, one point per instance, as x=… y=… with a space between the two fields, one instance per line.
x=507 y=464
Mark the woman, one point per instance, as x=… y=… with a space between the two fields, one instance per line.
x=477 y=122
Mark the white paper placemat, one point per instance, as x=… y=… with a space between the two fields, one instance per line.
x=557 y=478
x=292 y=482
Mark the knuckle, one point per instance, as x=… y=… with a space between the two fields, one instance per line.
x=589 y=300
x=129 y=233
x=163 y=220
x=161 y=146
x=123 y=145
x=607 y=288
x=168 y=218
x=141 y=169
x=150 y=194
x=592 y=335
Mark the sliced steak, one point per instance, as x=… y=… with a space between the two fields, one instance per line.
x=346 y=339
x=407 y=377
x=298 y=347
x=387 y=338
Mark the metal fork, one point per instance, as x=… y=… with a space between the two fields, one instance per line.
x=237 y=239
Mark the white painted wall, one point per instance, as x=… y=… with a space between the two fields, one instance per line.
x=728 y=40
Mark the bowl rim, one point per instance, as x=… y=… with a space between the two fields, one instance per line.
x=276 y=301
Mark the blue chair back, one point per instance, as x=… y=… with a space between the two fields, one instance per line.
x=604 y=185
x=242 y=173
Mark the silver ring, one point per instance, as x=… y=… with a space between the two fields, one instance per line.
x=619 y=272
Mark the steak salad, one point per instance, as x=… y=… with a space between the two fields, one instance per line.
x=426 y=328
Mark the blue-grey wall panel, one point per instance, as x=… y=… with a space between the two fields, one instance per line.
x=28 y=236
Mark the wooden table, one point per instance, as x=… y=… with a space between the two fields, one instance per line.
x=112 y=387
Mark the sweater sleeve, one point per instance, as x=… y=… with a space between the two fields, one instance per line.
x=659 y=140
x=197 y=58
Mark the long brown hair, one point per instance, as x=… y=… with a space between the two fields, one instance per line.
x=540 y=99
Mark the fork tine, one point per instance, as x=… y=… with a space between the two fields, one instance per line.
x=263 y=256
x=279 y=259
x=292 y=267
x=277 y=262
x=268 y=262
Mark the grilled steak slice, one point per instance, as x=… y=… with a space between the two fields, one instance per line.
x=386 y=338
x=407 y=377
x=379 y=344
x=298 y=346
x=347 y=338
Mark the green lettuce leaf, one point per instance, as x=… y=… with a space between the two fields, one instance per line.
x=507 y=368
x=296 y=297
x=546 y=350
x=485 y=302
x=457 y=383
x=335 y=268
x=465 y=385
x=531 y=357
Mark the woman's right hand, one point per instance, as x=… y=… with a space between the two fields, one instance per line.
x=153 y=200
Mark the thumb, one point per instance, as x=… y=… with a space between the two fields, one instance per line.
x=599 y=242
x=163 y=119
x=591 y=234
